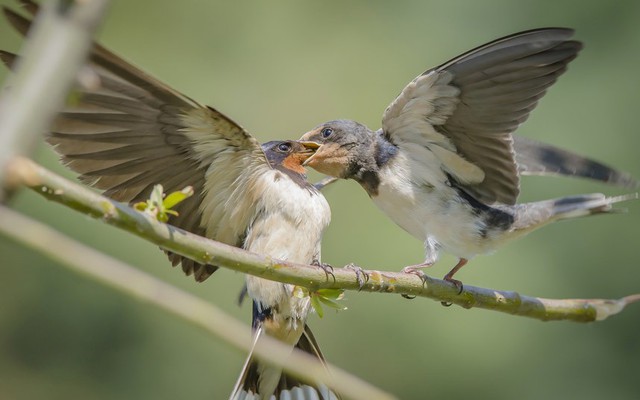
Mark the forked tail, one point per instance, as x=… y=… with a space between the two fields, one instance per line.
x=258 y=377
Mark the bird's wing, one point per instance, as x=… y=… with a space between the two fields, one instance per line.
x=131 y=132
x=536 y=158
x=465 y=110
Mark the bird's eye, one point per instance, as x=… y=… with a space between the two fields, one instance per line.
x=326 y=132
x=284 y=147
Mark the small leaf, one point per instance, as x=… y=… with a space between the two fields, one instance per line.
x=175 y=198
x=315 y=303
x=141 y=206
x=332 y=304
x=335 y=294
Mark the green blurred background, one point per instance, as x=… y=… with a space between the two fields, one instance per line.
x=280 y=68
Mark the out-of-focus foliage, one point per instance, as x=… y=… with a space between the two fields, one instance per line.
x=280 y=68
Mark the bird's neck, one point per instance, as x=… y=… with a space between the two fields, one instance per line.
x=366 y=167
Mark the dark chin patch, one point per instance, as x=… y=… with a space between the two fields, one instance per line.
x=370 y=181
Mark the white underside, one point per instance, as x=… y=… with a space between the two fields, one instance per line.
x=289 y=228
x=420 y=202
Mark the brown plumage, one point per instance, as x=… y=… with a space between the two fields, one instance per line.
x=131 y=132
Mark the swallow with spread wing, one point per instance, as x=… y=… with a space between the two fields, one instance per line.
x=132 y=132
x=445 y=166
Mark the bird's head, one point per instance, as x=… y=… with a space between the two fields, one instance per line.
x=344 y=145
x=289 y=154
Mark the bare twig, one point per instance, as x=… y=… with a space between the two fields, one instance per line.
x=144 y=287
x=203 y=250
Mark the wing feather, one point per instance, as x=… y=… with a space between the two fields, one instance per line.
x=132 y=132
x=466 y=110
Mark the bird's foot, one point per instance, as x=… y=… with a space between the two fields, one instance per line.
x=449 y=278
x=327 y=268
x=417 y=271
x=458 y=284
x=361 y=276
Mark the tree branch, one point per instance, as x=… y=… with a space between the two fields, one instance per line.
x=135 y=283
x=51 y=58
x=25 y=172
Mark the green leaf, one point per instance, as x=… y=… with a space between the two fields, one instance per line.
x=175 y=198
x=335 y=294
x=141 y=206
x=332 y=304
x=160 y=207
x=315 y=303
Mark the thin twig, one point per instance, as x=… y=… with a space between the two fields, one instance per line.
x=135 y=283
x=204 y=250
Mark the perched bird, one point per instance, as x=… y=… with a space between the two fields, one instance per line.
x=131 y=132
x=445 y=166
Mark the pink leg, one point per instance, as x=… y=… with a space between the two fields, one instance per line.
x=449 y=277
x=416 y=270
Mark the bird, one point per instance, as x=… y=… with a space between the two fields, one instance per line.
x=130 y=132
x=446 y=166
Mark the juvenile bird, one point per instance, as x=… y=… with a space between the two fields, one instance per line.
x=131 y=132
x=443 y=166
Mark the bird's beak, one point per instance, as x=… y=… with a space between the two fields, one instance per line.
x=310 y=150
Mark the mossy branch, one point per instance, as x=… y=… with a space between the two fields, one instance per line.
x=53 y=187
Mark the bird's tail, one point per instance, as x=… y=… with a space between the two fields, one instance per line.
x=257 y=375
x=530 y=216
x=537 y=158
x=587 y=204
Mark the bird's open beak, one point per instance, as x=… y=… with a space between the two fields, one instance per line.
x=311 y=148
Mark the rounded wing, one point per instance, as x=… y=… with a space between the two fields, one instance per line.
x=465 y=110
x=130 y=132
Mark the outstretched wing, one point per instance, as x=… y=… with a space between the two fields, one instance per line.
x=131 y=132
x=465 y=110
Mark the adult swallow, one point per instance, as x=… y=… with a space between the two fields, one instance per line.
x=131 y=132
x=444 y=166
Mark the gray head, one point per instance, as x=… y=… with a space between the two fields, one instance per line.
x=347 y=148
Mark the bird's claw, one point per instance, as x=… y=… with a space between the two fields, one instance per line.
x=414 y=270
x=361 y=275
x=327 y=268
x=457 y=284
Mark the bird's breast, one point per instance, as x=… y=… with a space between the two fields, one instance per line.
x=288 y=226
x=424 y=205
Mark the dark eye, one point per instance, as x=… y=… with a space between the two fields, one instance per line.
x=326 y=132
x=284 y=147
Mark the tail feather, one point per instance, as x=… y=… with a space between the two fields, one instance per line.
x=537 y=158
x=288 y=387
x=531 y=216
x=589 y=204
